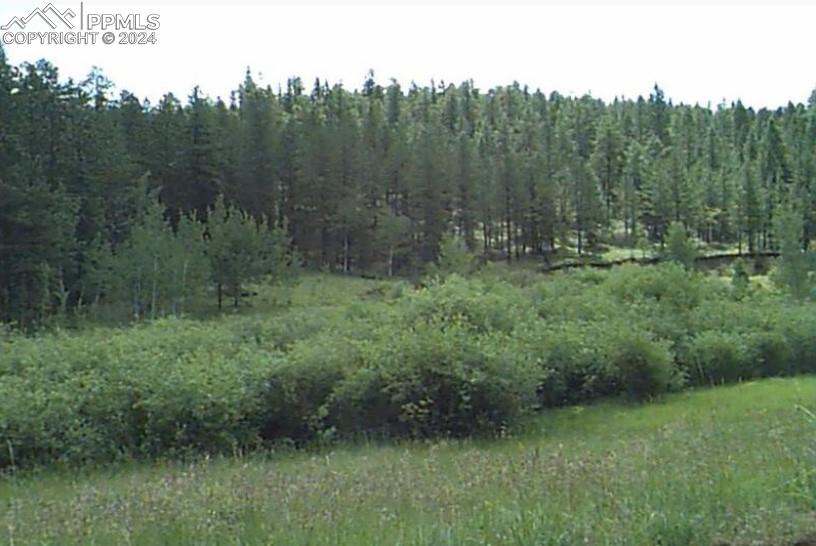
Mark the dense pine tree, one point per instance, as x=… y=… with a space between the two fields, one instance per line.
x=368 y=181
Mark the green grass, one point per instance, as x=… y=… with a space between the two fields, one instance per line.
x=725 y=465
x=309 y=289
x=618 y=253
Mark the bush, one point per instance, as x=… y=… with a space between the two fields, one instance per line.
x=471 y=304
x=572 y=368
x=281 y=332
x=666 y=284
x=455 y=358
x=151 y=390
x=454 y=259
x=493 y=272
x=398 y=290
x=679 y=248
x=799 y=330
x=431 y=380
x=716 y=357
x=740 y=280
x=199 y=403
x=645 y=366
x=298 y=388
x=772 y=352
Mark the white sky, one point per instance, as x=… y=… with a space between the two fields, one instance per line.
x=699 y=52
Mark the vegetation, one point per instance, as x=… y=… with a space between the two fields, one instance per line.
x=678 y=246
x=456 y=357
x=371 y=181
x=732 y=465
x=796 y=265
x=115 y=208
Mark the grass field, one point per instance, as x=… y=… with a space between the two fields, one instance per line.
x=729 y=465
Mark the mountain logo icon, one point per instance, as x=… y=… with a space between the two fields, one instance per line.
x=49 y=14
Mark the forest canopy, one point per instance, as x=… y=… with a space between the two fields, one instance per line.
x=365 y=180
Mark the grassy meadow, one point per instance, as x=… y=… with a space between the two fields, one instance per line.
x=639 y=405
x=727 y=465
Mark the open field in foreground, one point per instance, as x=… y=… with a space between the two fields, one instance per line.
x=729 y=465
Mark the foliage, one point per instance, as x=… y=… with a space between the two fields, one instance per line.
x=349 y=357
x=242 y=250
x=716 y=358
x=157 y=271
x=471 y=304
x=431 y=381
x=679 y=248
x=665 y=474
x=379 y=181
x=740 y=279
x=35 y=246
x=572 y=367
x=793 y=272
x=645 y=366
x=454 y=258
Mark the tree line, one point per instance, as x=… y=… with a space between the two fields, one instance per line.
x=99 y=194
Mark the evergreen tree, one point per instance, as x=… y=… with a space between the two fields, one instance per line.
x=608 y=163
x=197 y=182
x=36 y=241
x=636 y=173
x=257 y=188
x=375 y=179
x=679 y=247
x=793 y=271
x=241 y=251
x=454 y=259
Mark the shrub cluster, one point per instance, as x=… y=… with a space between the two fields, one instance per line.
x=457 y=357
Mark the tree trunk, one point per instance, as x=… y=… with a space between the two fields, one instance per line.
x=154 y=288
x=509 y=241
x=183 y=287
x=345 y=252
x=580 y=242
x=391 y=262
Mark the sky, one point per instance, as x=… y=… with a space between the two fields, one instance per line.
x=698 y=52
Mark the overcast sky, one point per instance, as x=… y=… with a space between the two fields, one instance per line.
x=702 y=52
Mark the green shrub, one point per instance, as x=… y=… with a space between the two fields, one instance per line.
x=495 y=272
x=679 y=247
x=718 y=357
x=471 y=304
x=740 y=280
x=645 y=366
x=454 y=358
x=398 y=290
x=799 y=329
x=433 y=380
x=281 y=332
x=150 y=390
x=298 y=388
x=37 y=423
x=666 y=284
x=772 y=352
x=572 y=368
x=201 y=402
x=730 y=316
x=454 y=259
x=586 y=306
